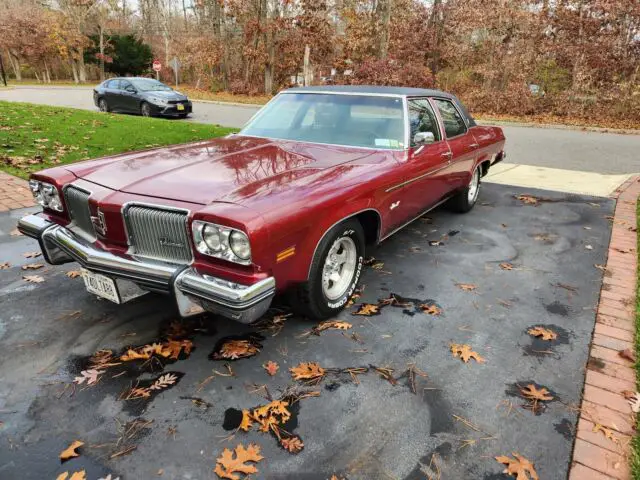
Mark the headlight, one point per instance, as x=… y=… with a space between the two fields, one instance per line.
x=221 y=242
x=46 y=195
x=159 y=101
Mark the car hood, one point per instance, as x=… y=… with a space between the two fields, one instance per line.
x=227 y=169
x=165 y=95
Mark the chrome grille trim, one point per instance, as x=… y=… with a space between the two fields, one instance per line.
x=77 y=201
x=158 y=233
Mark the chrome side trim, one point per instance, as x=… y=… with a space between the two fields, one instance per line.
x=406 y=182
x=342 y=220
x=415 y=218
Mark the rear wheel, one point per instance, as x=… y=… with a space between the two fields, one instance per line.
x=467 y=197
x=103 y=105
x=145 y=110
x=334 y=274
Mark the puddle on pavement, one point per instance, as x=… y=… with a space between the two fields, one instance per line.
x=545 y=348
x=535 y=407
x=564 y=428
x=557 y=308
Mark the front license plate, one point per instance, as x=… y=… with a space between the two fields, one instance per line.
x=180 y=106
x=101 y=285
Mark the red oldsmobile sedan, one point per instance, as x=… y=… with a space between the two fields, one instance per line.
x=289 y=204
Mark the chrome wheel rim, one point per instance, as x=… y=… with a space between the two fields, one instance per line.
x=474 y=186
x=103 y=106
x=339 y=268
x=145 y=110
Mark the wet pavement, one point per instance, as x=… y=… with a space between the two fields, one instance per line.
x=531 y=266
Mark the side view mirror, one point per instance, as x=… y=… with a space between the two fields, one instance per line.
x=423 y=138
x=131 y=90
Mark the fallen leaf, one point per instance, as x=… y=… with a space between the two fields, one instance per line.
x=32 y=266
x=227 y=465
x=173 y=348
x=467 y=287
x=5 y=266
x=33 y=278
x=73 y=273
x=164 y=381
x=327 y=324
x=544 y=333
x=627 y=354
x=465 y=353
x=133 y=354
x=271 y=367
x=307 y=371
x=70 y=451
x=367 y=310
x=506 y=266
x=521 y=468
x=292 y=444
x=234 y=349
x=247 y=421
x=605 y=431
x=629 y=395
x=90 y=376
x=588 y=247
x=377 y=265
x=271 y=415
x=108 y=477
x=31 y=254
x=600 y=267
x=136 y=393
x=431 y=309
x=435 y=243
x=531 y=392
x=634 y=402
x=528 y=199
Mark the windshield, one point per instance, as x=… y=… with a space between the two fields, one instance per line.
x=353 y=120
x=149 y=85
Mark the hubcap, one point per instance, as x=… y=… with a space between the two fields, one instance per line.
x=145 y=110
x=474 y=186
x=103 y=106
x=339 y=268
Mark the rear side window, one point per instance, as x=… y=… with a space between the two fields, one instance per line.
x=422 y=118
x=453 y=123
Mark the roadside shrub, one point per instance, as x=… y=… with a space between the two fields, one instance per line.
x=391 y=72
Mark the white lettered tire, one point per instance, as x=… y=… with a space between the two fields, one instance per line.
x=335 y=271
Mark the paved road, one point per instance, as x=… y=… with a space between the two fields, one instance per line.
x=604 y=153
x=365 y=430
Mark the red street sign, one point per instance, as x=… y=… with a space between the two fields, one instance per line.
x=157 y=66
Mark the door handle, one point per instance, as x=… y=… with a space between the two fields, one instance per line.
x=446 y=154
x=474 y=145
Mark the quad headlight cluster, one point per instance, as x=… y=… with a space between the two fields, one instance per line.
x=46 y=195
x=221 y=242
x=159 y=101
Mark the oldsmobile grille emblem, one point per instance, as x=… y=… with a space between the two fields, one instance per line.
x=99 y=223
x=168 y=242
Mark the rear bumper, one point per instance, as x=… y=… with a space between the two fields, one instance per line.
x=189 y=288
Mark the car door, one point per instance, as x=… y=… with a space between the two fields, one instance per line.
x=128 y=96
x=110 y=93
x=425 y=183
x=463 y=144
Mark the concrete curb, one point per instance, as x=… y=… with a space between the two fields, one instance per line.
x=608 y=375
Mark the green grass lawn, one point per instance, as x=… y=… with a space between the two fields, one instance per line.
x=33 y=137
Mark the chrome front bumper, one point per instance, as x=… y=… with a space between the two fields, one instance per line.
x=190 y=289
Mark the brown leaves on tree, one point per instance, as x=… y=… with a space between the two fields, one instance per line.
x=465 y=353
x=229 y=464
x=33 y=278
x=518 y=467
x=235 y=349
x=543 y=333
x=367 y=310
x=311 y=372
x=271 y=367
x=292 y=444
x=70 y=451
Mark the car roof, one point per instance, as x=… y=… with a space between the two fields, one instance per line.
x=371 y=90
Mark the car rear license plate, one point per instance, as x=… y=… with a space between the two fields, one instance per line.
x=101 y=285
x=180 y=106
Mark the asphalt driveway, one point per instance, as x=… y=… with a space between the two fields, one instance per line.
x=359 y=427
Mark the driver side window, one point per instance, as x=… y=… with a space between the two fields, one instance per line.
x=422 y=119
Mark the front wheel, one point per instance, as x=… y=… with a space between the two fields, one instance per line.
x=103 y=106
x=145 y=110
x=335 y=270
x=464 y=201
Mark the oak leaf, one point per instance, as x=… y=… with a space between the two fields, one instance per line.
x=307 y=371
x=327 y=324
x=73 y=273
x=227 y=465
x=431 y=309
x=31 y=254
x=271 y=367
x=465 y=353
x=136 y=393
x=608 y=433
x=506 y=266
x=271 y=415
x=173 y=348
x=70 y=451
x=32 y=266
x=81 y=475
x=528 y=199
x=90 y=376
x=164 y=381
x=234 y=349
x=367 y=310
x=133 y=354
x=292 y=444
x=247 y=421
x=531 y=392
x=544 y=333
x=33 y=278
x=521 y=468
x=467 y=287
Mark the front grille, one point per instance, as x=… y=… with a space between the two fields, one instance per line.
x=78 y=206
x=158 y=233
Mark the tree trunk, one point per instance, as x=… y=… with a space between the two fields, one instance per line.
x=74 y=71
x=101 y=52
x=14 y=60
x=306 y=68
x=82 y=70
x=383 y=12
x=46 y=75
